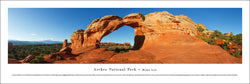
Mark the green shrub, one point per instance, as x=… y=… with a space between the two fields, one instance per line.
x=237 y=54
x=200 y=29
x=209 y=40
x=237 y=39
x=213 y=42
x=117 y=48
x=11 y=56
x=140 y=13
x=38 y=59
x=217 y=34
x=122 y=52
x=225 y=46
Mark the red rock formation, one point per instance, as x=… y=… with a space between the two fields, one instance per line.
x=63 y=54
x=126 y=44
x=65 y=43
x=159 y=26
x=77 y=39
x=146 y=28
x=219 y=42
x=160 y=37
x=66 y=50
x=233 y=47
x=100 y=28
x=96 y=56
x=28 y=58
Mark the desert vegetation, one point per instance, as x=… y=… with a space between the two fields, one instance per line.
x=117 y=48
x=19 y=52
x=231 y=43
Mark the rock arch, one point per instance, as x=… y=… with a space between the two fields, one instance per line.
x=149 y=29
x=107 y=24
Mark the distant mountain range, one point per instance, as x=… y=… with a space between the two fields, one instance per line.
x=17 y=42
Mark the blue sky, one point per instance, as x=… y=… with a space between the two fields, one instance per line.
x=34 y=24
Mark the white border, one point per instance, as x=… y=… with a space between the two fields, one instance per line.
x=241 y=69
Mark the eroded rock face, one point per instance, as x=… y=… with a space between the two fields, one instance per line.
x=65 y=43
x=160 y=22
x=135 y=20
x=159 y=26
x=100 y=28
x=77 y=39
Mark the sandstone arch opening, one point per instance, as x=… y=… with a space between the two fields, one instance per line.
x=120 y=40
x=121 y=35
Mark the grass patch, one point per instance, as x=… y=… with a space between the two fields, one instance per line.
x=117 y=48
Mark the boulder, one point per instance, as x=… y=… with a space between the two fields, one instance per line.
x=63 y=54
x=66 y=50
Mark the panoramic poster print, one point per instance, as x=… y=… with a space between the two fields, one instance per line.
x=125 y=35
